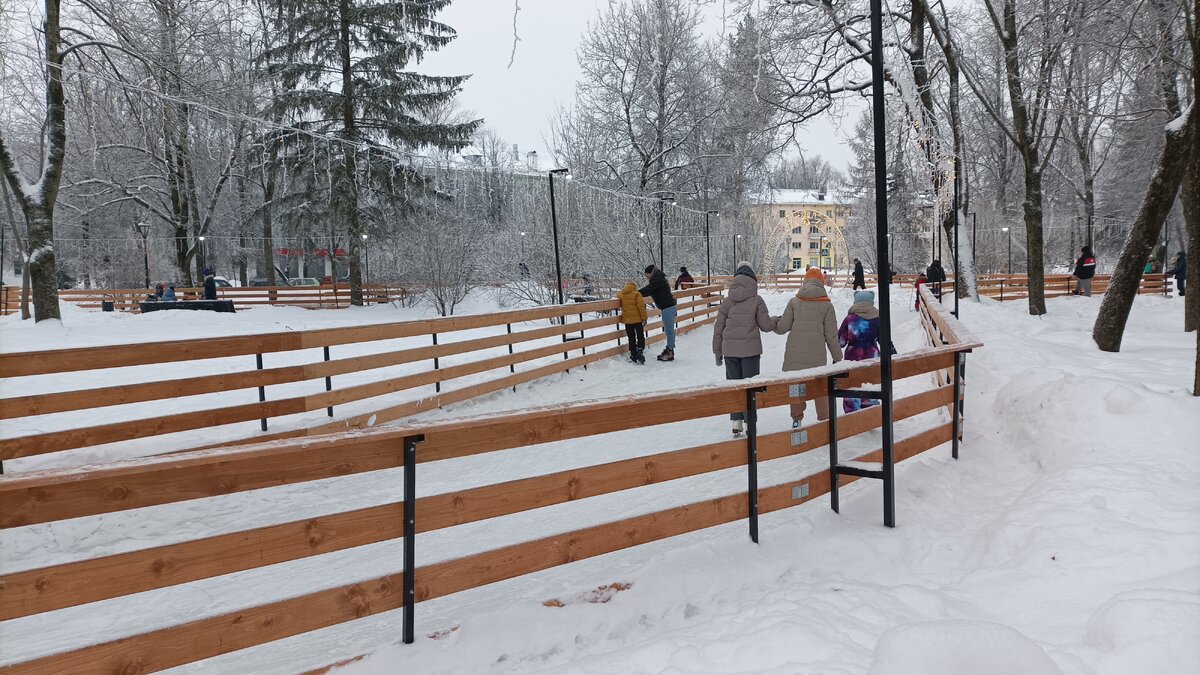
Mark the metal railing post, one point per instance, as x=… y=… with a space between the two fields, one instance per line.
x=437 y=384
x=512 y=367
x=833 y=446
x=328 y=382
x=956 y=425
x=410 y=533
x=262 y=391
x=752 y=458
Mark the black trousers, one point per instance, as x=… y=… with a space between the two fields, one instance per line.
x=636 y=332
x=740 y=368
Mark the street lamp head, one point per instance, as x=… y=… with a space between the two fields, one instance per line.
x=364 y=237
x=739 y=236
x=714 y=213
x=201 y=238
x=566 y=171
x=1004 y=229
x=522 y=234
x=641 y=234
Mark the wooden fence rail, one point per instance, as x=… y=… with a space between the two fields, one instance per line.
x=43 y=498
x=578 y=342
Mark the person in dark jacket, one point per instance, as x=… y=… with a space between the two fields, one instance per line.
x=936 y=276
x=1180 y=271
x=659 y=290
x=1085 y=269
x=683 y=278
x=210 y=285
x=169 y=293
x=860 y=278
x=158 y=291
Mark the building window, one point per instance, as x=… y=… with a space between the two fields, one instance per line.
x=796 y=244
x=813 y=229
x=813 y=245
x=814 y=262
x=828 y=213
x=795 y=214
x=782 y=213
x=796 y=263
x=797 y=230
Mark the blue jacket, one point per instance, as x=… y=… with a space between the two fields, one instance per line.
x=168 y=295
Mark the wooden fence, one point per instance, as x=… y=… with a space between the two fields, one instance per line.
x=335 y=296
x=579 y=333
x=43 y=498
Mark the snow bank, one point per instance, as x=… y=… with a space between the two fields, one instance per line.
x=958 y=647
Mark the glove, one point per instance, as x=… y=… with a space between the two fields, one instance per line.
x=720 y=360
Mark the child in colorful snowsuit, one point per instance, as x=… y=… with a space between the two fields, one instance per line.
x=859 y=338
x=633 y=315
x=921 y=279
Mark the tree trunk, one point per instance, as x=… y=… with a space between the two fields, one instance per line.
x=1189 y=196
x=1034 y=262
x=1160 y=196
x=42 y=269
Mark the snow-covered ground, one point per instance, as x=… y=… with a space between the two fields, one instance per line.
x=1066 y=539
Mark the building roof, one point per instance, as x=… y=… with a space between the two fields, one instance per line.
x=810 y=196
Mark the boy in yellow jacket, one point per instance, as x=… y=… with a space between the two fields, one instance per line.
x=633 y=315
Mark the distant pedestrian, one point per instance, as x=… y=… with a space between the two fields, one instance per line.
x=1085 y=270
x=169 y=293
x=936 y=276
x=811 y=326
x=158 y=291
x=633 y=315
x=736 y=340
x=683 y=278
x=1180 y=271
x=859 y=337
x=860 y=277
x=210 y=285
x=524 y=270
x=921 y=280
x=659 y=291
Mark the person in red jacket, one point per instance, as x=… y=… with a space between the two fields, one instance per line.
x=1085 y=269
x=921 y=279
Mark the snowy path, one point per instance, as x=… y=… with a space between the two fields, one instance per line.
x=1056 y=463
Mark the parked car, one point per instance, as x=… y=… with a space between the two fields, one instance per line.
x=263 y=282
x=222 y=282
x=305 y=281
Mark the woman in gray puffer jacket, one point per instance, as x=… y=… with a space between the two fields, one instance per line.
x=736 y=341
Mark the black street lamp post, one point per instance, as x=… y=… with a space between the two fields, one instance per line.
x=662 y=250
x=881 y=242
x=708 y=246
x=735 y=259
x=554 y=228
x=1009 y=233
x=143 y=229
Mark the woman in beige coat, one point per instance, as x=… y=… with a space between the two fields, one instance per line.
x=736 y=342
x=811 y=326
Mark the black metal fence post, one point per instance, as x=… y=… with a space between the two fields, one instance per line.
x=833 y=446
x=328 y=382
x=410 y=532
x=752 y=458
x=512 y=367
x=262 y=391
x=437 y=384
x=955 y=425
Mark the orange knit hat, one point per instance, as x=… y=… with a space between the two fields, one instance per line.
x=815 y=273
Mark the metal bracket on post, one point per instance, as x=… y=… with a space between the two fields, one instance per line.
x=410 y=532
x=752 y=458
x=328 y=383
x=262 y=391
x=437 y=384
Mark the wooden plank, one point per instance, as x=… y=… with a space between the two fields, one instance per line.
x=47 y=496
x=47 y=589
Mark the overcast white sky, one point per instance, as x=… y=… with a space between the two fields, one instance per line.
x=518 y=102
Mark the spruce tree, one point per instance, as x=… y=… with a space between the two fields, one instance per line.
x=342 y=66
